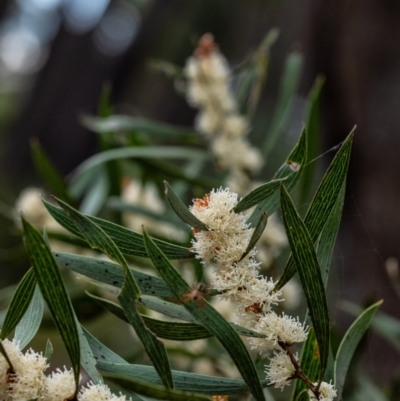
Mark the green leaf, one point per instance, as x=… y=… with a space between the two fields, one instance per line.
x=130 y=292
x=28 y=326
x=179 y=312
x=49 y=174
x=181 y=209
x=259 y=229
x=157 y=392
x=168 y=330
x=96 y=193
x=349 y=344
x=257 y=196
x=108 y=361
x=310 y=274
x=129 y=242
x=209 y=317
x=53 y=291
x=308 y=361
x=288 y=87
x=323 y=202
x=142 y=152
x=313 y=132
x=290 y=171
x=19 y=303
x=120 y=123
x=88 y=361
x=327 y=239
x=310 y=364
x=111 y=273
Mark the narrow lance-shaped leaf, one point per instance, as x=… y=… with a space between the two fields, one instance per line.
x=154 y=391
x=111 y=273
x=54 y=293
x=310 y=274
x=181 y=209
x=19 y=303
x=210 y=318
x=28 y=326
x=130 y=292
x=129 y=242
x=108 y=361
x=259 y=229
x=290 y=171
x=168 y=330
x=349 y=344
x=257 y=196
x=141 y=152
x=323 y=202
x=309 y=361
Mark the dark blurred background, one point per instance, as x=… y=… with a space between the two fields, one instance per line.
x=55 y=56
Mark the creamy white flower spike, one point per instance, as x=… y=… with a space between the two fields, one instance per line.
x=278 y=328
x=98 y=392
x=208 y=89
x=26 y=381
x=327 y=392
x=58 y=386
x=280 y=370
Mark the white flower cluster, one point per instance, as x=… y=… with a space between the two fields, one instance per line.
x=27 y=381
x=224 y=245
x=208 y=89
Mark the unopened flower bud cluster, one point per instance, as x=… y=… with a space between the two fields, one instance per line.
x=208 y=89
x=238 y=278
x=28 y=381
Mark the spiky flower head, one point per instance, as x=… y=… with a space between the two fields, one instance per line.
x=58 y=386
x=280 y=370
x=327 y=392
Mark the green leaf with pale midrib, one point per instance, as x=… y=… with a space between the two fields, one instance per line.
x=19 y=303
x=109 y=361
x=323 y=201
x=130 y=292
x=310 y=274
x=257 y=233
x=308 y=361
x=151 y=390
x=210 y=318
x=28 y=326
x=129 y=242
x=181 y=209
x=54 y=292
x=258 y=195
x=349 y=344
x=295 y=160
x=111 y=273
x=168 y=330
